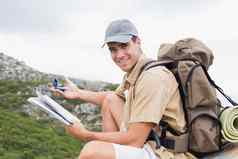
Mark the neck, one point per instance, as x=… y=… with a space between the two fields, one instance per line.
x=140 y=53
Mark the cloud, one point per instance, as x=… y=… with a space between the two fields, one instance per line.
x=173 y=8
x=34 y=16
x=44 y=16
x=73 y=30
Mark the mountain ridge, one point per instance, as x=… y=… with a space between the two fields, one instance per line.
x=13 y=69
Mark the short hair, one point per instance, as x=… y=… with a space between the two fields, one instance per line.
x=133 y=38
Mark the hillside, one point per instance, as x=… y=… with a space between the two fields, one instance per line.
x=22 y=137
x=25 y=131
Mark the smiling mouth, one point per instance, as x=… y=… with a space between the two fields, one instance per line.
x=122 y=63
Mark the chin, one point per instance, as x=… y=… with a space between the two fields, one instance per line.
x=126 y=69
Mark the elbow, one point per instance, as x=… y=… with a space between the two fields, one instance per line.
x=136 y=142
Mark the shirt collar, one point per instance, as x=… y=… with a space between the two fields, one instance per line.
x=132 y=76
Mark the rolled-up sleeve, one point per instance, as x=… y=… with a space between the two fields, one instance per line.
x=120 y=92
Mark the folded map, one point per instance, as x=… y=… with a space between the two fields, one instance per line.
x=54 y=109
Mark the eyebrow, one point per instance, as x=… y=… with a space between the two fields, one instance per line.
x=116 y=44
x=124 y=44
x=110 y=47
x=113 y=47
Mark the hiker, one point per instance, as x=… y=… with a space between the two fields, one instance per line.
x=137 y=105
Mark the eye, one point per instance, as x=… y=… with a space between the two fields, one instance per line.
x=124 y=45
x=112 y=49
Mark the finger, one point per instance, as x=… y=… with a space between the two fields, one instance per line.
x=70 y=83
x=51 y=88
x=59 y=92
x=49 y=85
x=69 y=127
x=56 y=92
x=78 y=124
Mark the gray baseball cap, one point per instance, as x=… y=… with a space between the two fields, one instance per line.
x=120 y=31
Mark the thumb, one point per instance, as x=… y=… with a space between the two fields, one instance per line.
x=56 y=92
x=70 y=83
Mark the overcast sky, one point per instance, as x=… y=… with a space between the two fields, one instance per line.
x=65 y=37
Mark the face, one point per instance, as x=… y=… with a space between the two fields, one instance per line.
x=125 y=55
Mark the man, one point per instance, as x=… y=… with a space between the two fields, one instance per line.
x=137 y=106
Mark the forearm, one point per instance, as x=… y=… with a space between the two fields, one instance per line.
x=135 y=136
x=91 y=97
x=124 y=138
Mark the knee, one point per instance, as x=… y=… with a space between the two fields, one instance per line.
x=109 y=99
x=89 y=151
x=97 y=150
x=111 y=96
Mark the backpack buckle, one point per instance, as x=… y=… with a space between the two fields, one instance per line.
x=154 y=137
x=163 y=127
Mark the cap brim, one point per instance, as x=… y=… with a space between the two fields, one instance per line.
x=118 y=38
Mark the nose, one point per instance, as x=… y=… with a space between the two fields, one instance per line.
x=120 y=53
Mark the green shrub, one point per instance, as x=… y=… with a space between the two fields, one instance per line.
x=14 y=93
x=21 y=136
x=26 y=138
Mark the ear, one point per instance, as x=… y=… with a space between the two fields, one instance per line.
x=138 y=41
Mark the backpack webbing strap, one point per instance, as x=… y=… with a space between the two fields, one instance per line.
x=178 y=145
x=190 y=75
x=153 y=136
x=183 y=95
x=168 y=143
x=164 y=126
x=217 y=87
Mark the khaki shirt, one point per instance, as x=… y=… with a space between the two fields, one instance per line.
x=152 y=96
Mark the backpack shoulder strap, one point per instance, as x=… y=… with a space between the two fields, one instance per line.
x=155 y=63
x=144 y=67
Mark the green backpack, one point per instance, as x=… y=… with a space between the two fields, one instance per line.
x=189 y=60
